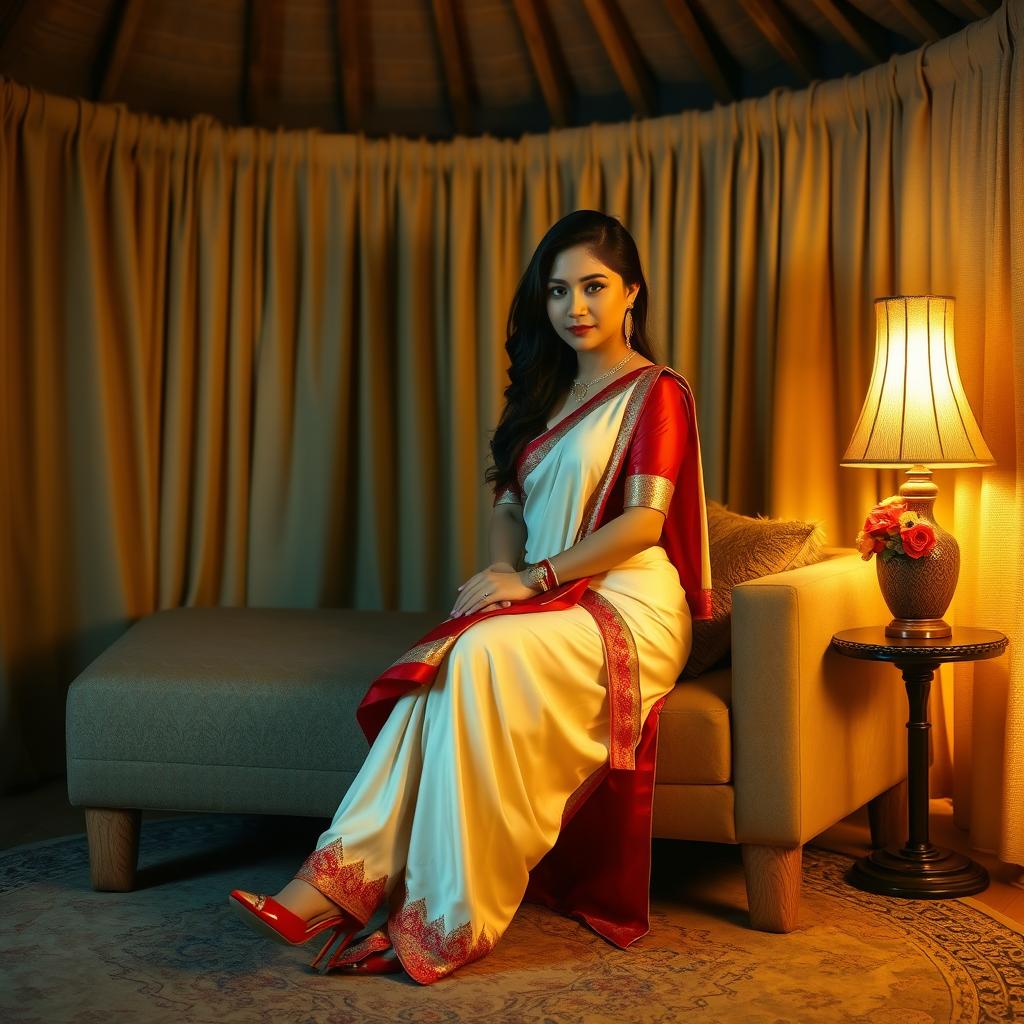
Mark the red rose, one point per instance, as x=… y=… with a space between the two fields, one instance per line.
x=883 y=518
x=918 y=540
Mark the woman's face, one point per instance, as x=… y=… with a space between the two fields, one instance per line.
x=583 y=291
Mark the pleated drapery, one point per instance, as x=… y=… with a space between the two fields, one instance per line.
x=251 y=368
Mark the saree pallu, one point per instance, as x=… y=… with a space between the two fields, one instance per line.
x=512 y=751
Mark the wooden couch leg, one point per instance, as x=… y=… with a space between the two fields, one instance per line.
x=773 y=886
x=887 y=815
x=113 y=836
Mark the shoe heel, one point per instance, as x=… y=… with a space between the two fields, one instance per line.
x=348 y=932
x=323 y=949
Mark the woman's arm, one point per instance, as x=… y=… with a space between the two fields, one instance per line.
x=637 y=528
x=507 y=537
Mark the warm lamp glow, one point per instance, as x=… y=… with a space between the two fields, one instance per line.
x=916 y=412
x=916 y=415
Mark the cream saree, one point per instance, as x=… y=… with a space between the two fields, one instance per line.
x=471 y=776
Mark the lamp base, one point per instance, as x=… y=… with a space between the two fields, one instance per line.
x=928 y=873
x=918 y=629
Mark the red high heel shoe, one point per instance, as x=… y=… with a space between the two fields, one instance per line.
x=372 y=963
x=367 y=957
x=273 y=919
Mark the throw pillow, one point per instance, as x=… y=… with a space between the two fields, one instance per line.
x=745 y=548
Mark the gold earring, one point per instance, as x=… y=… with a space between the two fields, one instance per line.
x=628 y=325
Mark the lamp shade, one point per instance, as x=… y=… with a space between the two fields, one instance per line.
x=916 y=412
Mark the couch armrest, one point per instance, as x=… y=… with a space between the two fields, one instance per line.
x=815 y=734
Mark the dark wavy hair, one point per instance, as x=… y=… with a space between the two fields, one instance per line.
x=542 y=364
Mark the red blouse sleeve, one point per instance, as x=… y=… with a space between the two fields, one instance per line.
x=657 y=448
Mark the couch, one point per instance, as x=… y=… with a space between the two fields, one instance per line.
x=251 y=710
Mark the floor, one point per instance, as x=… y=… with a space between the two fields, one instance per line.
x=44 y=813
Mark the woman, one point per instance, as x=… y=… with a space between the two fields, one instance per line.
x=512 y=748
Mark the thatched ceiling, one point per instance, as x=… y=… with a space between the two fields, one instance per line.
x=435 y=68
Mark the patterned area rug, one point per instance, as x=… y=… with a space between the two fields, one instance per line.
x=172 y=950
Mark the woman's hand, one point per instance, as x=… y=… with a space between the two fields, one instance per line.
x=499 y=582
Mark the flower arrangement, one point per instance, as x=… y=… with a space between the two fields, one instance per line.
x=892 y=530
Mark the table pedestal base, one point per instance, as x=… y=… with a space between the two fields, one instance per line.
x=930 y=873
x=918 y=870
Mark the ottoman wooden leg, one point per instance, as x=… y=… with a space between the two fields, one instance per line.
x=773 y=886
x=887 y=815
x=113 y=847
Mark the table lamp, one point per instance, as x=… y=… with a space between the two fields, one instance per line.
x=916 y=415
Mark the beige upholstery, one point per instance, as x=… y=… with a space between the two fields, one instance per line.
x=837 y=731
x=695 y=720
x=791 y=738
x=804 y=736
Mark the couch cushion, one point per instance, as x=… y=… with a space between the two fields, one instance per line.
x=230 y=708
x=694 y=739
x=745 y=548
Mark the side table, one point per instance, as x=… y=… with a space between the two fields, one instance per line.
x=918 y=870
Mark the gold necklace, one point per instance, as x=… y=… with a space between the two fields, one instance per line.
x=579 y=391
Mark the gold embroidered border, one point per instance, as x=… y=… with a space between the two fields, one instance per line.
x=624 y=698
x=431 y=653
x=534 y=456
x=429 y=952
x=634 y=406
x=346 y=884
x=649 y=490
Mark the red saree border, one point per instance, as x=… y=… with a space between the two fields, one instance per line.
x=404 y=675
x=680 y=518
x=343 y=883
x=595 y=506
x=579 y=795
x=599 y=870
x=537 y=449
x=428 y=951
x=624 y=697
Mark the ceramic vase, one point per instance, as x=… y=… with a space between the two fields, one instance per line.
x=918 y=591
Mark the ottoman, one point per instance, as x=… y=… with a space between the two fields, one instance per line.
x=242 y=710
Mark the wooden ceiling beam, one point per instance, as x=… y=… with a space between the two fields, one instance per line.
x=16 y=26
x=780 y=30
x=858 y=31
x=458 y=74
x=625 y=56
x=351 y=68
x=122 y=26
x=927 y=20
x=546 y=56
x=711 y=55
x=261 y=78
x=981 y=8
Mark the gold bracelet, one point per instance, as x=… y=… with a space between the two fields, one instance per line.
x=537 y=576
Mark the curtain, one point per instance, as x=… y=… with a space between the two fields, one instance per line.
x=243 y=367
